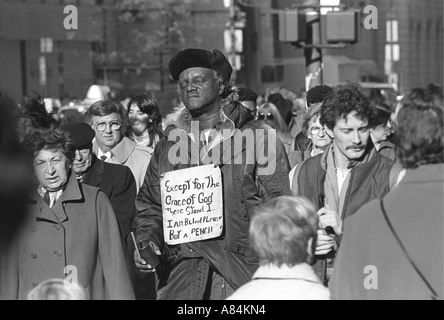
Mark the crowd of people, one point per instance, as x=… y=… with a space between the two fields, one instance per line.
x=340 y=198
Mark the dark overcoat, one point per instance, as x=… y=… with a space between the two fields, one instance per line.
x=119 y=185
x=371 y=264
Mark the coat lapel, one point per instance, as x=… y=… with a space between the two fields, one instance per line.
x=57 y=213
x=42 y=210
x=71 y=193
x=95 y=175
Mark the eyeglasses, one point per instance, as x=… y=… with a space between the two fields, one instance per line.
x=115 y=126
x=316 y=130
x=262 y=116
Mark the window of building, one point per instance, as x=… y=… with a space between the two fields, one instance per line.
x=272 y=74
x=392 y=50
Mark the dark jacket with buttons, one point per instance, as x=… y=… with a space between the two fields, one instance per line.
x=118 y=183
x=79 y=233
x=244 y=187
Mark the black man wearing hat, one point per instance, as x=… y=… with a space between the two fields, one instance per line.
x=213 y=119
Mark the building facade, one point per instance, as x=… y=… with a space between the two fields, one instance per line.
x=406 y=48
x=37 y=52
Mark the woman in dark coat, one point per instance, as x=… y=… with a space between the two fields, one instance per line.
x=72 y=233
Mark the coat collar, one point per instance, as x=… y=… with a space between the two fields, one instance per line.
x=123 y=150
x=120 y=152
x=298 y=272
x=386 y=145
x=232 y=116
x=425 y=173
x=57 y=212
x=368 y=155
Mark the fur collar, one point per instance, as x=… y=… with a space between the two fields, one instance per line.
x=233 y=115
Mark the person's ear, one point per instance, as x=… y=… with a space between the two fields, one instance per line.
x=310 y=251
x=221 y=88
x=308 y=135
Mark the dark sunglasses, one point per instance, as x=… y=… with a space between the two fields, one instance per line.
x=264 y=117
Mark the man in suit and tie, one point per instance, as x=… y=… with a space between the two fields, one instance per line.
x=116 y=181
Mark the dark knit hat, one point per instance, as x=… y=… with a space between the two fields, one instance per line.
x=318 y=94
x=195 y=58
x=81 y=133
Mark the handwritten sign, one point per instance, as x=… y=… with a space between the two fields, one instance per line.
x=192 y=204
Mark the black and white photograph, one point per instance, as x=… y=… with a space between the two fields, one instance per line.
x=221 y=158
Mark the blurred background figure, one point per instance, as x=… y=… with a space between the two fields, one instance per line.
x=283 y=233
x=431 y=95
x=381 y=130
x=315 y=97
x=32 y=115
x=436 y=94
x=172 y=117
x=145 y=121
x=14 y=175
x=316 y=135
x=284 y=106
x=270 y=114
x=248 y=98
x=57 y=289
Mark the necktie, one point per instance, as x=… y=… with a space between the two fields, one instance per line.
x=46 y=198
x=103 y=158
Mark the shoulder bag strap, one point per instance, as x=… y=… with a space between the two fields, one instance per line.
x=434 y=295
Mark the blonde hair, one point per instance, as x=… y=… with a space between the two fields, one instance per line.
x=281 y=230
x=57 y=289
x=279 y=122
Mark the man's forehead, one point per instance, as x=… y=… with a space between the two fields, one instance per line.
x=351 y=120
x=112 y=116
x=196 y=71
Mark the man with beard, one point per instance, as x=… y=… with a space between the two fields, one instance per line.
x=347 y=175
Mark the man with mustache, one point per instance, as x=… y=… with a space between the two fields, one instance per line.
x=348 y=175
x=399 y=240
